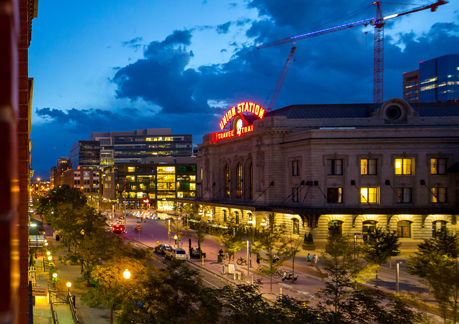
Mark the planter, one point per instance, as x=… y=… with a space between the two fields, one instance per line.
x=309 y=247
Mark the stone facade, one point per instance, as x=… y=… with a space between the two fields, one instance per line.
x=316 y=170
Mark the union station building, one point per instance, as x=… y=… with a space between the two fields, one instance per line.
x=343 y=168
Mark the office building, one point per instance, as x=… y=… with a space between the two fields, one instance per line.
x=132 y=147
x=154 y=182
x=436 y=80
x=85 y=155
x=87 y=180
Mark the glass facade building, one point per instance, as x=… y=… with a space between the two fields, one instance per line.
x=85 y=154
x=439 y=79
x=132 y=147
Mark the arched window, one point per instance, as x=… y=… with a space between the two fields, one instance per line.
x=404 y=229
x=225 y=215
x=251 y=181
x=335 y=228
x=227 y=181
x=239 y=180
x=295 y=226
x=368 y=227
x=438 y=227
x=236 y=216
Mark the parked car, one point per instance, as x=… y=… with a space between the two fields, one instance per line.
x=118 y=229
x=161 y=249
x=178 y=254
x=169 y=252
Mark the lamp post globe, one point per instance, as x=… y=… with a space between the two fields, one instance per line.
x=50 y=258
x=48 y=253
x=54 y=275
x=126 y=274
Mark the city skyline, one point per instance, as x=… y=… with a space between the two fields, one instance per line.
x=100 y=72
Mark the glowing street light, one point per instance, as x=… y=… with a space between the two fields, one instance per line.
x=48 y=253
x=50 y=258
x=69 y=284
x=126 y=274
x=54 y=275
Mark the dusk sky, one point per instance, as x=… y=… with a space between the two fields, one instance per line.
x=125 y=65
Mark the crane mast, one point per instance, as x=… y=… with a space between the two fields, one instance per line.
x=378 y=22
x=272 y=103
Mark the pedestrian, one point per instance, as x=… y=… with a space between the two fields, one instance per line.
x=258 y=258
x=189 y=242
x=309 y=259
x=315 y=258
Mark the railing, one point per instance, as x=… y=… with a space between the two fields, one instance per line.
x=72 y=308
x=53 y=312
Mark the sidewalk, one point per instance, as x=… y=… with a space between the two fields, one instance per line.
x=69 y=273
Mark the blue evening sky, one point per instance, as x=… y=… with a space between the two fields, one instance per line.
x=125 y=65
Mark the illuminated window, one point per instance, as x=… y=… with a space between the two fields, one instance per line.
x=179 y=194
x=142 y=186
x=141 y=195
x=192 y=186
x=227 y=181
x=295 y=168
x=295 y=226
x=368 y=166
x=369 y=195
x=335 y=167
x=192 y=178
x=404 y=166
x=335 y=195
x=437 y=166
x=404 y=195
x=151 y=195
x=239 y=180
x=131 y=169
x=439 y=195
x=404 y=229
x=295 y=194
x=130 y=178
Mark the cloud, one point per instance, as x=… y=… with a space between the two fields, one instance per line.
x=223 y=28
x=134 y=43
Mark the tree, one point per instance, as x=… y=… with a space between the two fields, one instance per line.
x=271 y=241
x=436 y=263
x=199 y=234
x=232 y=241
x=174 y=294
x=380 y=247
x=292 y=247
x=111 y=288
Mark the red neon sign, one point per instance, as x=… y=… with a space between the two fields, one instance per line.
x=232 y=133
x=250 y=107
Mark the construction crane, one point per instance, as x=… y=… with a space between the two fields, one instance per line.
x=281 y=79
x=378 y=22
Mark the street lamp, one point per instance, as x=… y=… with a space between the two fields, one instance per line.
x=69 y=284
x=126 y=274
x=50 y=258
x=248 y=263
x=175 y=238
x=48 y=253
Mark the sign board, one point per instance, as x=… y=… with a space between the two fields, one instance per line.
x=249 y=107
x=231 y=268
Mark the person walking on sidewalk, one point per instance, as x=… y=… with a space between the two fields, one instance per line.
x=315 y=259
x=258 y=258
x=309 y=259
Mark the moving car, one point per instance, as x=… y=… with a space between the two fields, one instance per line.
x=118 y=229
x=161 y=249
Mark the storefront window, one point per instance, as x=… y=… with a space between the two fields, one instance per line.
x=368 y=227
x=438 y=227
x=404 y=229
x=335 y=228
x=295 y=226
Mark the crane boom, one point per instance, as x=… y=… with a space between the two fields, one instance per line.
x=281 y=79
x=378 y=23
x=364 y=22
